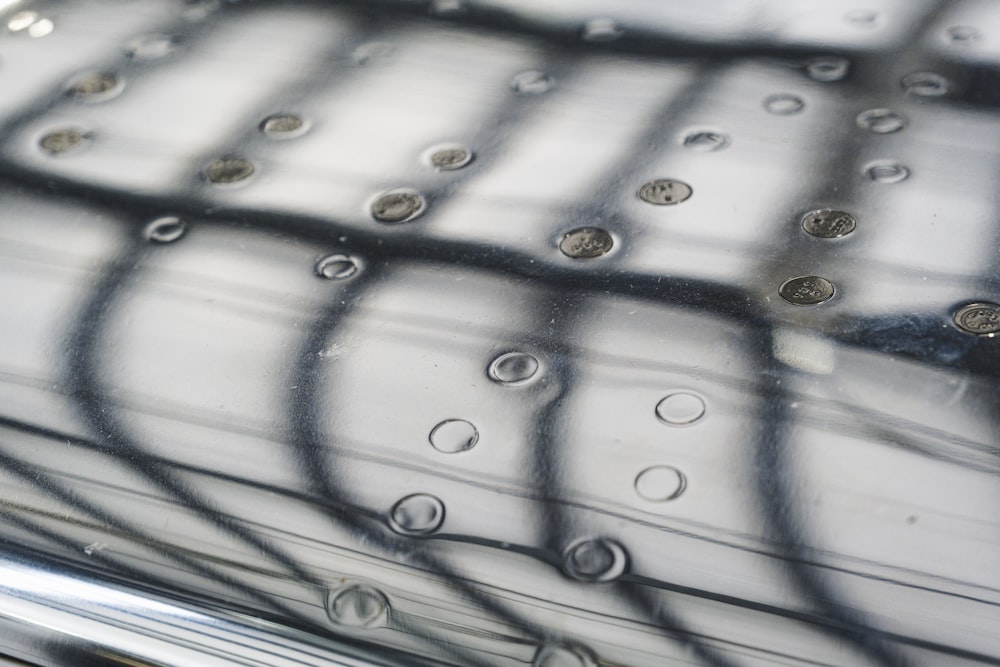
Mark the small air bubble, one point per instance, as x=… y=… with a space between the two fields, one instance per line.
x=337 y=267
x=784 y=104
x=65 y=140
x=454 y=435
x=151 y=47
x=886 y=171
x=165 y=230
x=96 y=86
x=419 y=514
x=806 y=290
x=961 y=34
x=229 y=170
x=513 y=368
x=881 y=121
x=595 y=560
x=586 y=243
x=553 y=655
x=827 y=69
x=532 y=82
x=706 y=140
x=925 y=84
x=448 y=157
x=680 y=408
x=665 y=192
x=374 y=53
x=283 y=126
x=602 y=30
x=357 y=606
x=660 y=483
x=397 y=206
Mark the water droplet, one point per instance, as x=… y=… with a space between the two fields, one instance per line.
x=595 y=560
x=886 y=171
x=65 y=140
x=513 y=368
x=665 y=192
x=454 y=435
x=862 y=17
x=448 y=157
x=41 y=28
x=981 y=319
x=553 y=655
x=680 y=408
x=828 y=224
x=96 y=86
x=532 y=82
x=357 y=606
x=586 y=243
x=283 y=126
x=151 y=47
x=881 y=121
x=827 y=68
x=374 y=53
x=22 y=21
x=961 y=34
x=602 y=30
x=925 y=84
x=706 y=140
x=784 y=104
x=165 y=230
x=397 y=206
x=660 y=483
x=418 y=514
x=337 y=267
x=806 y=290
x=447 y=7
x=229 y=170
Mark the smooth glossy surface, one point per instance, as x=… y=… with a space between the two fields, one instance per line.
x=490 y=363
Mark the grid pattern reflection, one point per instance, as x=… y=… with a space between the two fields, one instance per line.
x=499 y=332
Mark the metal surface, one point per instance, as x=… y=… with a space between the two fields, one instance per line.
x=492 y=332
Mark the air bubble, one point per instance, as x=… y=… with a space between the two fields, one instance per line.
x=448 y=157
x=229 y=170
x=961 y=34
x=595 y=560
x=96 y=86
x=827 y=69
x=660 y=483
x=513 y=368
x=357 y=606
x=665 y=192
x=151 y=47
x=586 y=243
x=165 y=230
x=784 y=104
x=680 y=408
x=706 y=140
x=419 y=514
x=397 y=206
x=553 y=655
x=532 y=82
x=283 y=126
x=925 y=84
x=64 y=141
x=337 y=267
x=886 y=171
x=602 y=30
x=881 y=121
x=806 y=290
x=454 y=435
x=374 y=53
